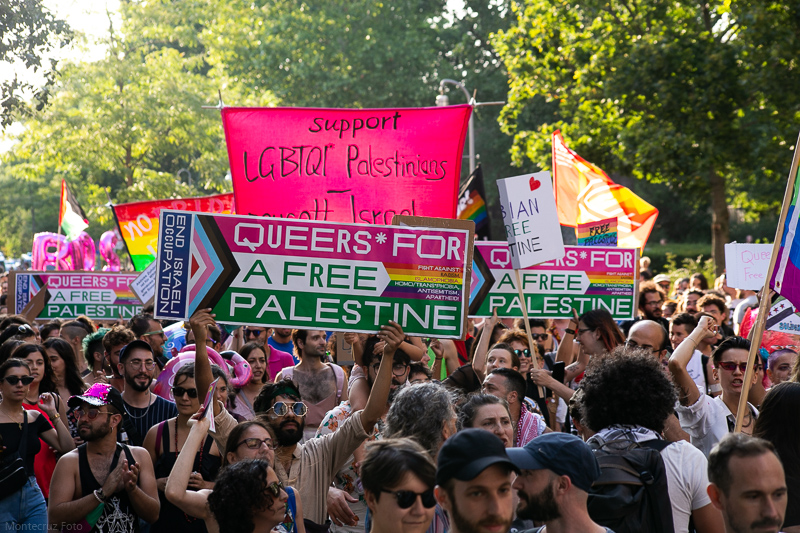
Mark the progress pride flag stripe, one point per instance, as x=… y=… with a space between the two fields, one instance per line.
x=346 y=165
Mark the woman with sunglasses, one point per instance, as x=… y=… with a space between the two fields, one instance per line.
x=165 y=440
x=707 y=419
x=23 y=507
x=247 y=441
x=398 y=477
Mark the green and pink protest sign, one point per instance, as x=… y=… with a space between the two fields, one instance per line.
x=311 y=274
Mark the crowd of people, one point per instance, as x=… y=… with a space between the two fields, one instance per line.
x=586 y=425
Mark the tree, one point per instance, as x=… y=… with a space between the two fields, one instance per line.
x=665 y=91
x=28 y=34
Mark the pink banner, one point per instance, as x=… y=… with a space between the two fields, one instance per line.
x=346 y=165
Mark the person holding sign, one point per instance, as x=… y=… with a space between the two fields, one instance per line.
x=707 y=420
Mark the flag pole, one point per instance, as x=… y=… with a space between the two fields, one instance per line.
x=531 y=346
x=764 y=303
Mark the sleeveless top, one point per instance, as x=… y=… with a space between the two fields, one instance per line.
x=317 y=411
x=170 y=518
x=118 y=515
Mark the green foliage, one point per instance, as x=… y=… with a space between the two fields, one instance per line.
x=675 y=259
x=28 y=33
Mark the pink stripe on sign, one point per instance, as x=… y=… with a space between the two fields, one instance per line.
x=386 y=244
x=207 y=269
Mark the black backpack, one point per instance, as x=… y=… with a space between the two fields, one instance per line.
x=631 y=495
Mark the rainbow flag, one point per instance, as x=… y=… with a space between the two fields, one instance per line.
x=471 y=204
x=786 y=276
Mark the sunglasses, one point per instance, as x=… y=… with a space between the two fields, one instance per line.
x=159 y=332
x=255 y=443
x=275 y=488
x=282 y=408
x=90 y=413
x=253 y=332
x=178 y=392
x=407 y=498
x=540 y=336
x=13 y=380
x=523 y=353
x=730 y=366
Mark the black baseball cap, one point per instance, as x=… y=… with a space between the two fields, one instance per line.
x=138 y=343
x=562 y=453
x=468 y=453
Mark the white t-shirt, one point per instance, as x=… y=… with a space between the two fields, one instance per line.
x=695 y=370
x=687 y=481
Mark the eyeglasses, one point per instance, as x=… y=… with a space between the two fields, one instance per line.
x=178 y=392
x=91 y=413
x=634 y=345
x=275 y=488
x=282 y=408
x=159 y=332
x=254 y=443
x=407 y=498
x=540 y=336
x=398 y=369
x=253 y=332
x=730 y=366
x=584 y=330
x=138 y=363
x=523 y=353
x=14 y=380
x=657 y=302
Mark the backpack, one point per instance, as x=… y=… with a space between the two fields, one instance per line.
x=631 y=494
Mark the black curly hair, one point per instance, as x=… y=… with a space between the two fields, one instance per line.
x=626 y=387
x=240 y=491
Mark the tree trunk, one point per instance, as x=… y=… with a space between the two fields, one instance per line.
x=720 y=222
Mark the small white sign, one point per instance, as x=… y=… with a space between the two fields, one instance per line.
x=529 y=214
x=144 y=287
x=746 y=265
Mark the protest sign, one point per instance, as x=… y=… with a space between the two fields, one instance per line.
x=599 y=233
x=585 y=278
x=746 y=265
x=530 y=219
x=144 y=286
x=138 y=222
x=346 y=165
x=312 y=274
x=98 y=295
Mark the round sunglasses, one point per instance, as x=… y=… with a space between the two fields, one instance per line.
x=282 y=408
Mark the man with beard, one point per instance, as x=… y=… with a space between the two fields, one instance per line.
x=144 y=409
x=311 y=466
x=322 y=385
x=346 y=504
x=557 y=471
x=281 y=339
x=473 y=482
x=107 y=485
x=747 y=484
x=148 y=329
x=650 y=300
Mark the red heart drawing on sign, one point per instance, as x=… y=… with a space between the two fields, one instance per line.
x=534 y=183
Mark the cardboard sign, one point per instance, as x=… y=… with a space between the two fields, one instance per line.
x=138 y=222
x=98 y=295
x=144 y=286
x=344 y=350
x=600 y=233
x=311 y=274
x=208 y=409
x=530 y=219
x=585 y=278
x=346 y=165
x=746 y=265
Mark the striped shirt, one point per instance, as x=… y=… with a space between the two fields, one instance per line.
x=143 y=418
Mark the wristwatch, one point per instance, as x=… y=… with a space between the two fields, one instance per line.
x=100 y=495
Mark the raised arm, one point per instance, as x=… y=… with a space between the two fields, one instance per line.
x=688 y=392
x=203 y=377
x=482 y=351
x=193 y=503
x=576 y=369
x=379 y=395
x=414 y=347
x=59 y=438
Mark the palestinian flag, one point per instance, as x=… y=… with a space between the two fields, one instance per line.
x=71 y=217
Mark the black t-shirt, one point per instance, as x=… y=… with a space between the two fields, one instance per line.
x=142 y=419
x=12 y=435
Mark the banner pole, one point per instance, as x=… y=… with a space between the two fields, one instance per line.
x=765 y=300
x=531 y=346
